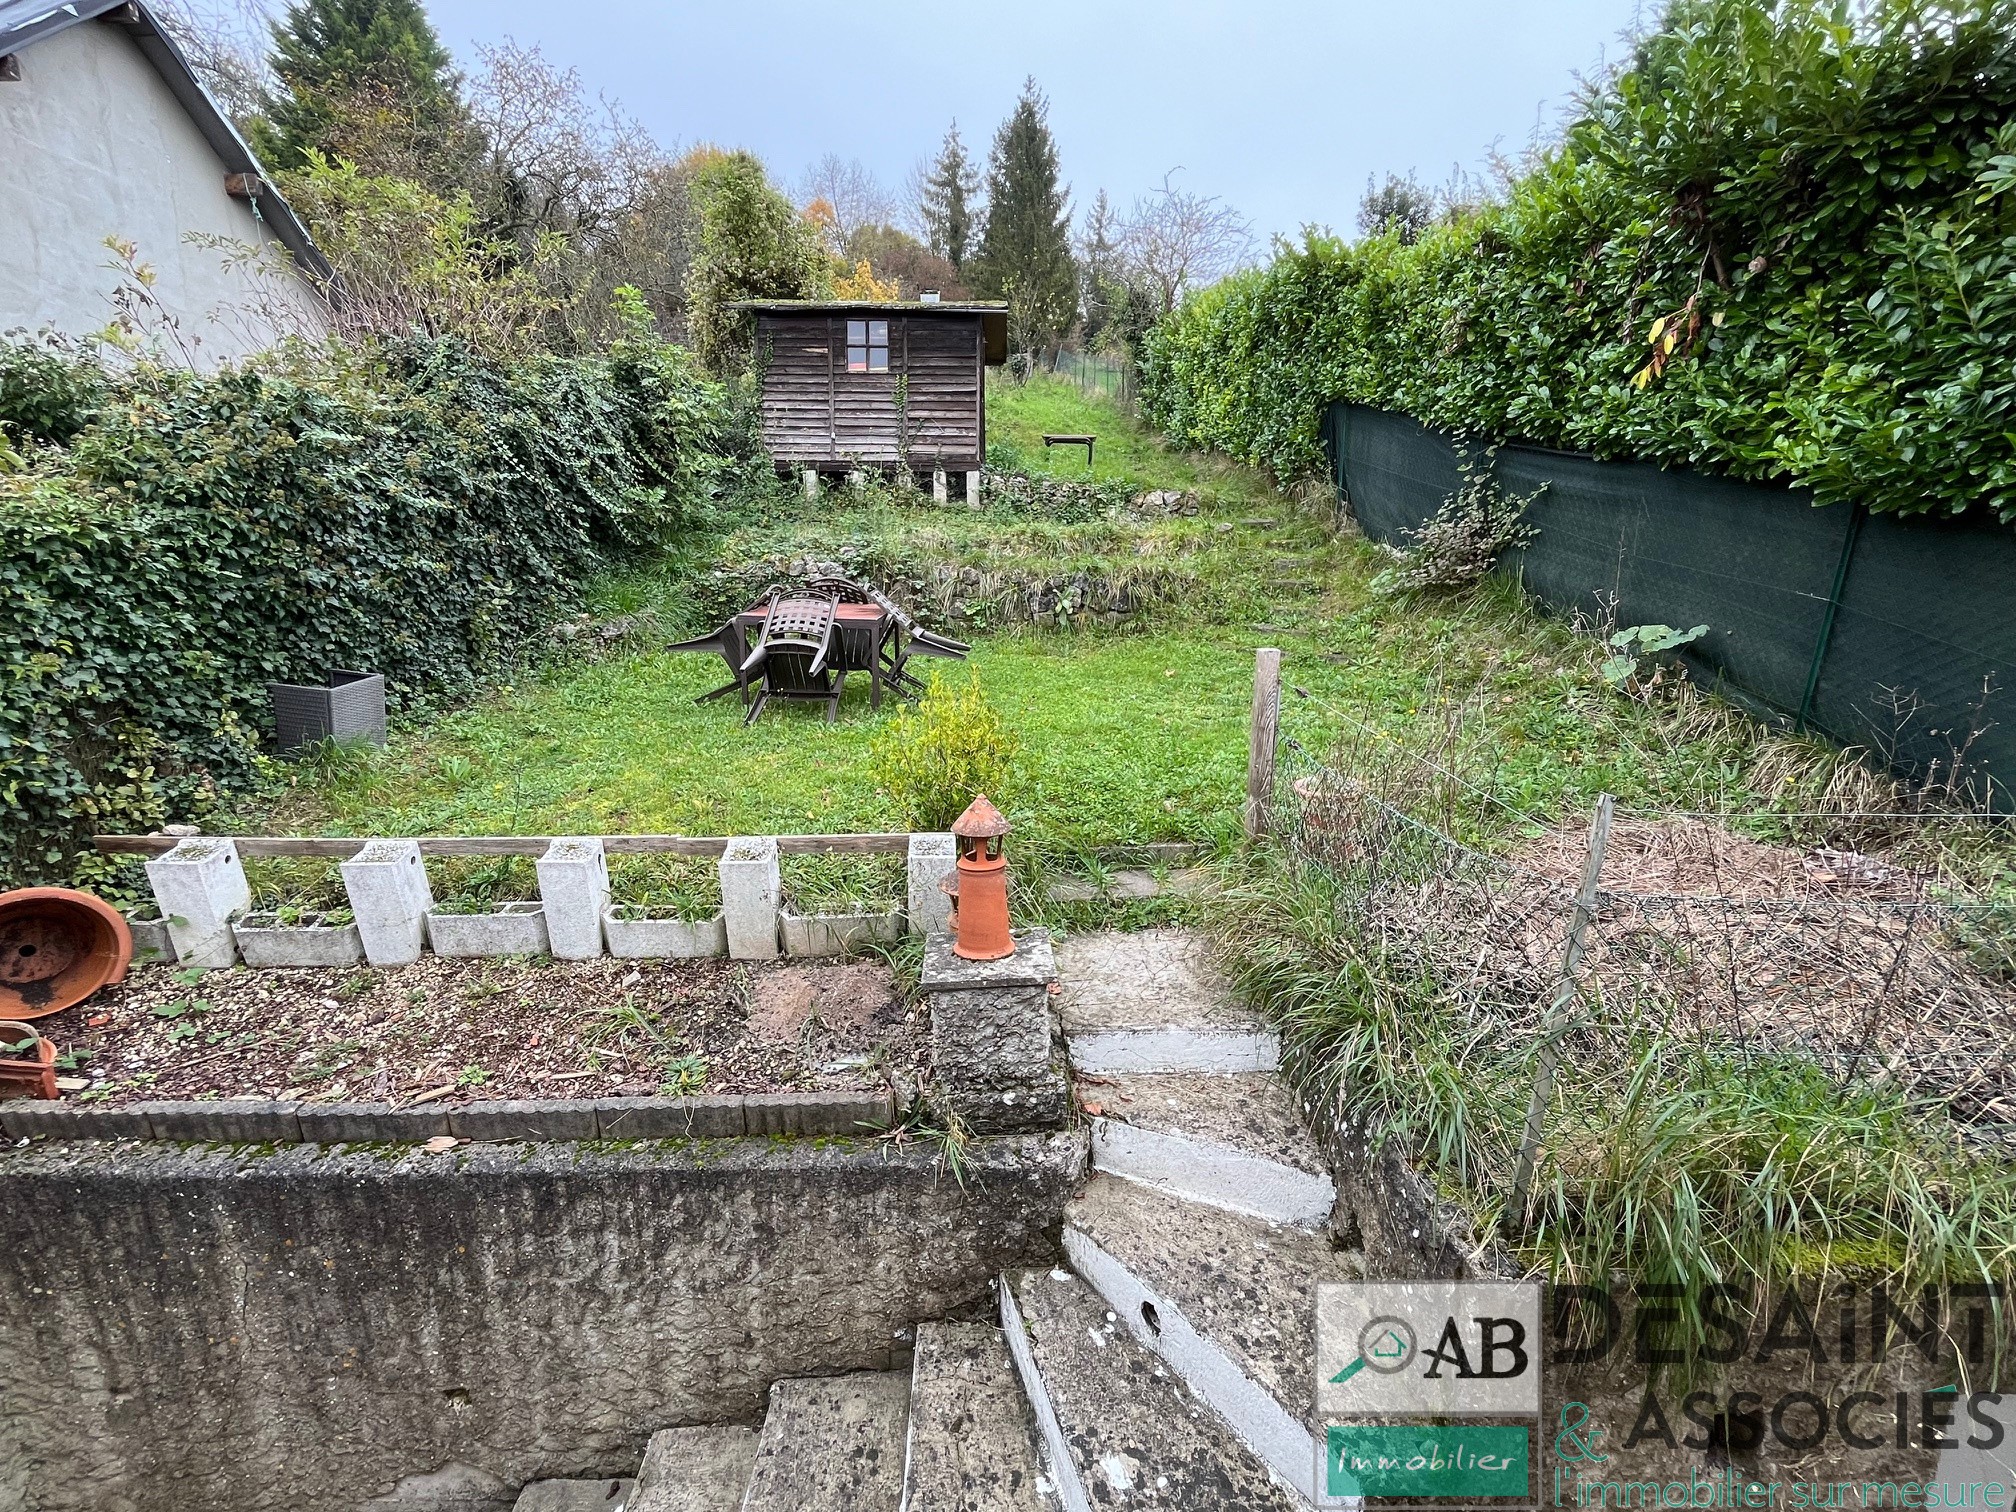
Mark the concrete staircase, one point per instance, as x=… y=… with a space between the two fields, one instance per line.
x=951 y=1434
x=1170 y=1366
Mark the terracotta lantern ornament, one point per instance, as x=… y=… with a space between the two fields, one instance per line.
x=979 y=885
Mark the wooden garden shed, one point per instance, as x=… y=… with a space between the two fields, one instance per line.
x=856 y=385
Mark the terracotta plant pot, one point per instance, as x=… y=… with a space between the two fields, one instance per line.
x=33 y=1069
x=57 y=947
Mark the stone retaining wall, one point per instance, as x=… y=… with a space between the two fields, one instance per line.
x=312 y=1329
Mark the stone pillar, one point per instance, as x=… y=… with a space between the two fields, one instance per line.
x=811 y=484
x=752 y=891
x=973 y=489
x=200 y=888
x=387 y=884
x=856 y=480
x=997 y=1046
x=574 y=887
x=940 y=491
x=932 y=859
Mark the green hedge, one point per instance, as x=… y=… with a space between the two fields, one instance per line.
x=1815 y=198
x=423 y=513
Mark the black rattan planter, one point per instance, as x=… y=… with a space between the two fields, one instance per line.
x=350 y=706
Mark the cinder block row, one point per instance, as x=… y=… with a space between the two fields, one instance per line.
x=252 y=1121
x=201 y=891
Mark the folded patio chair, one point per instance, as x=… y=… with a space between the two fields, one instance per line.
x=793 y=651
x=727 y=642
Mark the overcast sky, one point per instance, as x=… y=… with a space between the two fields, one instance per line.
x=1280 y=106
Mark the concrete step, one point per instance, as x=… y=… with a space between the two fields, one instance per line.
x=832 y=1444
x=1121 y=1430
x=1152 y=1001
x=1234 y=1142
x=576 y=1496
x=702 y=1469
x=973 y=1445
x=1133 y=884
x=1228 y=1302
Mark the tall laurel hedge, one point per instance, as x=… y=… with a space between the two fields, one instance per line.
x=1780 y=244
x=177 y=541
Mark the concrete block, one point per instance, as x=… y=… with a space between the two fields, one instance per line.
x=810 y=483
x=932 y=859
x=31 y=1118
x=370 y=1123
x=701 y=1469
x=516 y=929
x=151 y=943
x=939 y=490
x=1033 y=964
x=555 y=1118
x=855 y=1113
x=998 y=1058
x=200 y=888
x=752 y=891
x=267 y=943
x=634 y=939
x=603 y=1495
x=389 y=895
x=670 y=1117
x=973 y=489
x=574 y=886
x=238 y=1120
x=836 y=934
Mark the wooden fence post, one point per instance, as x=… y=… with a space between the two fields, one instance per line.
x=1554 y=1024
x=1261 y=742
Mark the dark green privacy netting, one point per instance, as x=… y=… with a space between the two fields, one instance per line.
x=1881 y=630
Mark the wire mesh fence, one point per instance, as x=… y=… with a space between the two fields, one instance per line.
x=1749 y=937
x=1105 y=376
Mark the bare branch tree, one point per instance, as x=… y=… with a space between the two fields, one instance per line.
x=226 y=43
x=1177 y=240
x=853 y=195
x=559 y=161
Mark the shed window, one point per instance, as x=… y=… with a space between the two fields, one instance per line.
x=867 y=346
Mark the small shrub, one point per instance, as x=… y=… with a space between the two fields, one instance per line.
x=935 y=759
x=1474 y=527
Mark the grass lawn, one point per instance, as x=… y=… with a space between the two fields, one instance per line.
x=1127 y=736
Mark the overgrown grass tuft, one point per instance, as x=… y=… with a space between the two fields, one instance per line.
x=1664 y=1160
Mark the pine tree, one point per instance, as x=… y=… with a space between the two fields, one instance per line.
x=947 y=200
x=1025 y=251
x=1099 y=268
x=370 y=81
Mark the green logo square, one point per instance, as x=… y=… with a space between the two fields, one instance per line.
x=1414 y=1459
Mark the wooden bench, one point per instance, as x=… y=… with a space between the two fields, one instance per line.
x=1084 y=441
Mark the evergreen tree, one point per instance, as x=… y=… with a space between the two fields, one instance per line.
x=947 y=200
x=1025 y=251
x=1099 y=267
x=367 y=80
x=752 y=244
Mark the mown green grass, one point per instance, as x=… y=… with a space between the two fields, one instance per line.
x=1127 y=736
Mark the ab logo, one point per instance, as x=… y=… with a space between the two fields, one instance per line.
x=1445 y=1347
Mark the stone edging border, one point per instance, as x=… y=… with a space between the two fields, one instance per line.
x=258 y=1121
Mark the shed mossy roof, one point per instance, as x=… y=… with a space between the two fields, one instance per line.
x=993 y=313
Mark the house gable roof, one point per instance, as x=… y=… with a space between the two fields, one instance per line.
x=26 y=22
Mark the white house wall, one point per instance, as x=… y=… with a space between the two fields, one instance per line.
x=93 y=144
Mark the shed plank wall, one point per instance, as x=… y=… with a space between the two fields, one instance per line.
x=817 y=413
